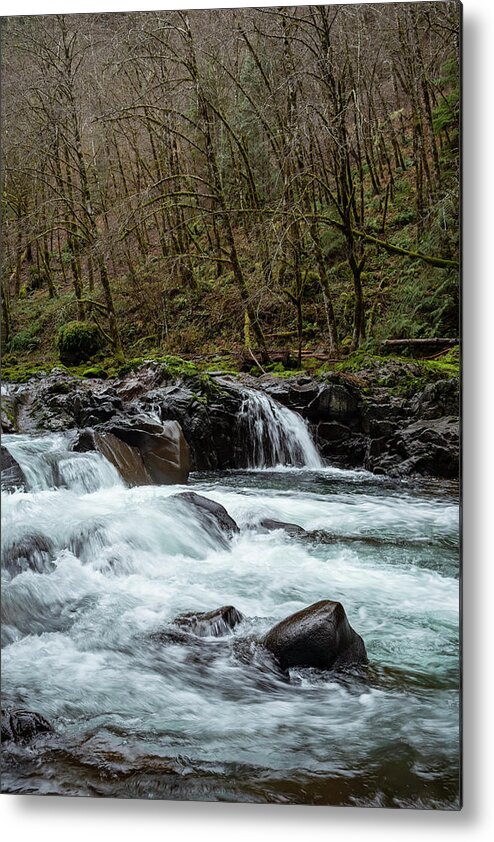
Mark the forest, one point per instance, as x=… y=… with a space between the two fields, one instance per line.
x=230 y=405
x=257 y=188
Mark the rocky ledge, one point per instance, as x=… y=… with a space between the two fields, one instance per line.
x=155 y=429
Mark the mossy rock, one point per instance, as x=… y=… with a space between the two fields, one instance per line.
x=95 y=372
x=78 y=342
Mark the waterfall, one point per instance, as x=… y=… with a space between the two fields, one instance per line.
x=47 y=462
x=277 y=436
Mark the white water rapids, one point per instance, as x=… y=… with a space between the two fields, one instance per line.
x=137 y=717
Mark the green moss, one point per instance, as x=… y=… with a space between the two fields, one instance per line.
x=275 y=368
x=403 y=376
x=171 y=366
x=78 y=342
x=197 y=398
x=22 y=372
x=95 y=371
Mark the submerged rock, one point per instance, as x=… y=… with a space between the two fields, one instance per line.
x=210 y=512
x=21 y=726
x=215 y=623
x=290 y=528
x=185 y=629
x=29 y=552
x=319 y=636
x=12 y=473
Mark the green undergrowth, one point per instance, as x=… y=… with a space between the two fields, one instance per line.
x=403 y=376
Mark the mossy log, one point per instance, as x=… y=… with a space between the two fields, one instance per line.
x=434 y=342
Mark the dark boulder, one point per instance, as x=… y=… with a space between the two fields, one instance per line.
x=296 y=393
x=21 y=726
x=207 y=412
x=139 y=422
x=211 y=513
x=12 y=473
x=383 y=413
x=215 y=623
x=172 y=402
x=332 y=431
x=319 y=636
x=291 y=528
x=143 y=450
x=59 y=402
x=339 y=445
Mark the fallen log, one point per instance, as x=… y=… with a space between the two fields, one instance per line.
x=434 y=342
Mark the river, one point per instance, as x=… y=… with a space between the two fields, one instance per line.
x=138 y=717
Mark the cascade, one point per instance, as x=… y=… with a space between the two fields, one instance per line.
x=47 y=462
x=277 y=435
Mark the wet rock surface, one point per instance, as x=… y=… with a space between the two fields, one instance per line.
x=8 y=413
x=163 y=449
x=270 y=525
x=127 y=460
x=211 y=513
x=143 y=451
x=29 y=552
x=429 y=448
x=12 y=473
x=319 y=636
x=215 y=623
x=22 y=726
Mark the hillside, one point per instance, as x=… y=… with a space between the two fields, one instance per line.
x=221 y=202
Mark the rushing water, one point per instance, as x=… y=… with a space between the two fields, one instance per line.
x=277 y=435
x=138 y=717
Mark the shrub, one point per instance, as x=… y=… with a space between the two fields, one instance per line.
x=23 y=341
x=78 y=342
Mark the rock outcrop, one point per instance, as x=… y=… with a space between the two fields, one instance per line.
x=353 y=422
x=429 y=448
